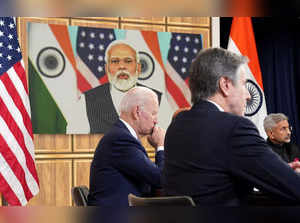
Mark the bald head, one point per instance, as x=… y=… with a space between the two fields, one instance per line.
x=139 y=108
x=137 y=96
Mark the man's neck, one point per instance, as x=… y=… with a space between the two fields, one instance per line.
x=218 y=101
x=130 y=122
x=276 y=142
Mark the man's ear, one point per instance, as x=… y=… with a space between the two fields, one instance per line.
x=269 y=134
x=225 y=85
x=135 y=113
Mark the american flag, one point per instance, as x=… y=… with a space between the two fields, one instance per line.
x=91 y=46
x=183 y=48
x=18 y=177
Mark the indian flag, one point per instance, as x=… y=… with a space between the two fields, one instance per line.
x=55 y=101
x=242 y=41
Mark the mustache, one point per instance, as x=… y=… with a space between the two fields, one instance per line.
x=122 y=72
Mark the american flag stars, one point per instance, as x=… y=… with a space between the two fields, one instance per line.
x=183 y=47
x=9 y=46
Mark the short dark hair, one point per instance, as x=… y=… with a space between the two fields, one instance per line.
x=207 y=69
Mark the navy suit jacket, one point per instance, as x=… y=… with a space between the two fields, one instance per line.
x=121 y=166
x=217 y=157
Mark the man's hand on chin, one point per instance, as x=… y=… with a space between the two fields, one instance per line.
x=157 y=137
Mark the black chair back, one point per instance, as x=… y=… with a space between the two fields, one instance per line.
x=79 y=195
x=160 y=201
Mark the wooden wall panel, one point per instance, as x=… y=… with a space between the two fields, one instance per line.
x=98 y=24
x=159 y=20
x=82 y=172
x=189 y=21
x=99 y=18
x=45 y=143
x=86 y=143
x=55 y=183
x=204 y=31
x=150 y=27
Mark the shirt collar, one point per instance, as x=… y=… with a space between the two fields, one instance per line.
x=218 y=106
x=116 y=96
x=131 y=130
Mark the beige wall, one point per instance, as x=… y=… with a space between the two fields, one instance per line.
x=63 y=161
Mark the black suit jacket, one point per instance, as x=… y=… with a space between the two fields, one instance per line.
x=121 y=166
x=287 y=151
x=217 y=158
x=100 y=108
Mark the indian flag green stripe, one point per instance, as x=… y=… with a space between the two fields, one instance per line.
x=46 y=116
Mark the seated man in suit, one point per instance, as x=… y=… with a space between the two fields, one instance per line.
x=123 y=69
x=279 y=137
x=213 y=153
x=121 y=164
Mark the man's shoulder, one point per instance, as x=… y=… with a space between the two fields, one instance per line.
x=118 y=132
x=229 y=118
x=98 y=90
x=239 y=122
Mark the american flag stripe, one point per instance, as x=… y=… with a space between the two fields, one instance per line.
x=181 y=84
x=87 y=73
x=175 y=92
x=12 y=134
x=19 y=100
x=12 y=164
x=19 y=77
x=17 y=157
x=82 y=84
x=14 y=192
x=171 y=101
x=15 y=106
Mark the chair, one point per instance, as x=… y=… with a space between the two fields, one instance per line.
x=79 y=195
x=160 y=201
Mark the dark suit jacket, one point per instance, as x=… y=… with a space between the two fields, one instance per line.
x=217 y=157
x=100 y=108
x=121 y=166
x=287 y=151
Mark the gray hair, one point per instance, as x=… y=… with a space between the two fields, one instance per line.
x=272 y=119
x=207 y=69
x=120 y=42
x=136 y=96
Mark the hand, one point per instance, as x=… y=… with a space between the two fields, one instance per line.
x=295 y=166
x=157 y=137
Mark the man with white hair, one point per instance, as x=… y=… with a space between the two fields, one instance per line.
x=123 y=69
x=278 y=130
x=121 y=164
